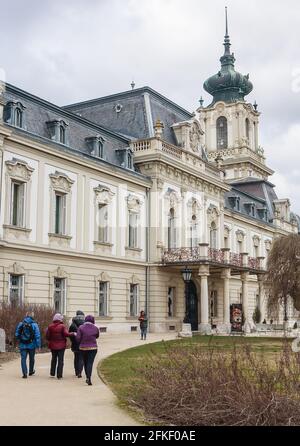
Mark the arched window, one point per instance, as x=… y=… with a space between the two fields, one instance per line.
x=171 y=229
x=213 y=235
x=62 y=134
x=18 y=117
x=247 y=128
x=194 y=240
x=222 y=134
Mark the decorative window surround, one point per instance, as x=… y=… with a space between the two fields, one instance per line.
x=14 y=114
x=134 y=205
x=126 y=157
x=58 y=131
x=134 y=280
x=20 y=173
x=16 y=269
x=103 y=277
x=103 y=196
x=59 y=273
x=60 y=183
x=95 y=145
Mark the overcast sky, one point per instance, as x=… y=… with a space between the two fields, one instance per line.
x=71 y=50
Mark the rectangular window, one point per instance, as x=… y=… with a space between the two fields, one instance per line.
x=214 y=303
x=133 y=300
x=133 y=230
x=17 y=204
x=60 y=213
x=171 y=301
x=103 y=287
x=16 y=286
x=103 y=223
x=59 y=295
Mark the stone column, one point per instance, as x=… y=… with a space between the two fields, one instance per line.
x=245 y=303
x=204 y=326
x=226 y=326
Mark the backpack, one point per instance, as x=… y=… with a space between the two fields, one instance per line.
x=26 y=333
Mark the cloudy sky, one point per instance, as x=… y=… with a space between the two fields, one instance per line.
x=71 y=50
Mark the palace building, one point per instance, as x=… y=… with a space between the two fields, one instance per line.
x=106 y=202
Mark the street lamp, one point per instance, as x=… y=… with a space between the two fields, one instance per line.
x=186 y=275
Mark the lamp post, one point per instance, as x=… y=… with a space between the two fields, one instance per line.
x=186 y=275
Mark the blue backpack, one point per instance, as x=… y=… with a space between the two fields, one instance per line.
x=26 y=333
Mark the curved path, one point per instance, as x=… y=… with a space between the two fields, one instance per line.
x=43 y=401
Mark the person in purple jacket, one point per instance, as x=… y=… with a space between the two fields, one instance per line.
x=86 y=337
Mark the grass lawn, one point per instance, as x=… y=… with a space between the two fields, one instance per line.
x=118 y=370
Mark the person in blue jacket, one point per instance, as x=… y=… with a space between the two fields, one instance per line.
x=29 y=337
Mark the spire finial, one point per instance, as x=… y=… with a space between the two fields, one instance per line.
x=132 y=85
x=226 y=20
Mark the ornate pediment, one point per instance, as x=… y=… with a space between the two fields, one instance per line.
x=103 y=194
x=240 y=235
x=227 y=230
x=61 y=182
x=19 y=169
x=256 y=241
x=16 y=269
x=134 y=203
x=189 y=135
x=268 y=244
x=212 y=213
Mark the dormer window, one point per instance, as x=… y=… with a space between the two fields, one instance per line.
x=250 y=207
x=14 y=114
x=263 y=213
x=96 y=146
x=235 y=203
x=58 y=131
x=126 y=158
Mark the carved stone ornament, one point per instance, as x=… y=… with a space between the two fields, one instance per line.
x=103 y=194
x=268 y=244
x=226 y=231
x=195 y=137
x=60 y=273
x=134 y=203
x=240 y=235
x=256 y=241
x=19 y=169
x=17 y=269
x=212 y=214
x=61 y=182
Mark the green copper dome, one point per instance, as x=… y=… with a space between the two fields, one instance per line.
x=228 y=85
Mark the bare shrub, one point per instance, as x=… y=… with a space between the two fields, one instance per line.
x=205 y=387
x=11 y=315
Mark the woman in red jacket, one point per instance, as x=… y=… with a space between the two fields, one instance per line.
x=57 y=341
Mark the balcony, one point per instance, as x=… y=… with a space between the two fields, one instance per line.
x=216 y=257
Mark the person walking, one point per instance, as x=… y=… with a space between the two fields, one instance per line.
x=86 y=337
x=29 y=337
x=143 y=324
x=78 y=360
x=56 y=335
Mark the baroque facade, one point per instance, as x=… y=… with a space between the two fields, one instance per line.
x=104 y=202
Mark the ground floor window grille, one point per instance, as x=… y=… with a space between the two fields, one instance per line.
x=133 y=299
x=103 y=287
x=16 y=286
x=59 y=295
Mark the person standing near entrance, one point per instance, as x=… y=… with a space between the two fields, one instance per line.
x=57 y=335
x=29 y=337
x=78 y=360
x=143 y=324
x=86 y=337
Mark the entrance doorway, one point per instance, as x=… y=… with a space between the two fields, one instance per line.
x=192 y=305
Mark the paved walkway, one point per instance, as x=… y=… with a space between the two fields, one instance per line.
x=43 y=401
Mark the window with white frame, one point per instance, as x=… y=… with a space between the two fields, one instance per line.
x=171 y=301
x=194 y=239
x=60 y=213
x=214 y=303
x=17 y=215
x=59 y=297
x=102 y=220
x=133 y=301
x=222 y=136
x=103 y=298
x=16 y=289
x=132 y=229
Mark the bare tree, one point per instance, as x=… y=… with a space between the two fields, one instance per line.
x=283 y=278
